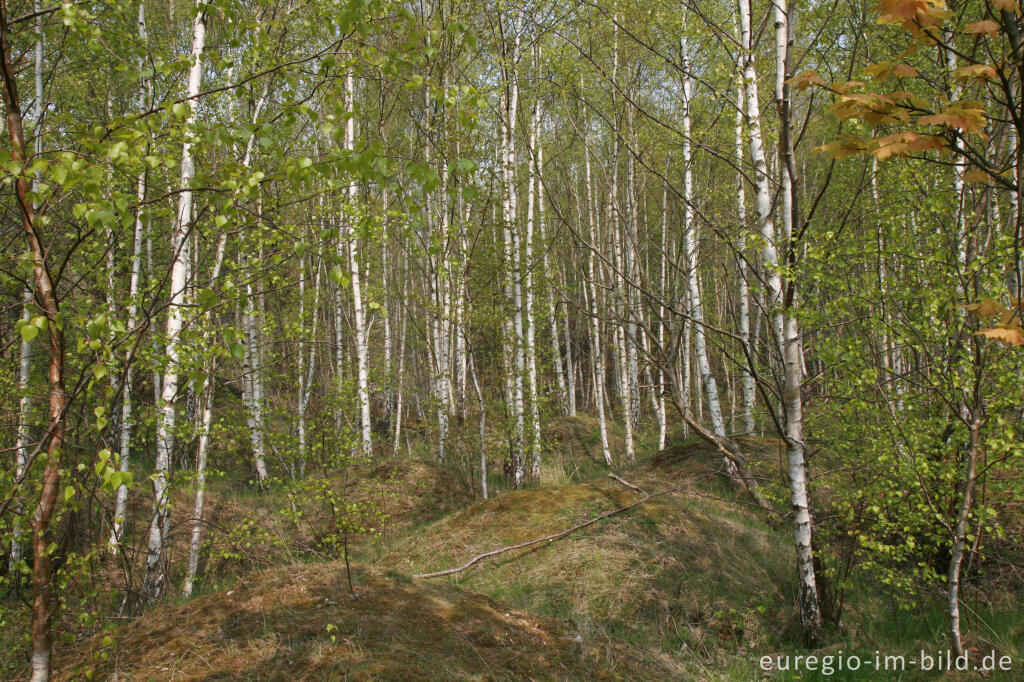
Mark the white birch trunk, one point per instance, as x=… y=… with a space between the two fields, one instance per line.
x=570 y=365
x=306 y=373
x=693 y=285
x=597 y=351
x=531 y=355
x=358 y=313
x=769 y=255
x=513 y=256
x=155 y=570
x=482 y=428
x=195 y=539
x=556 y=351
x=662 y=312
x=747 y=377
x=810 y=608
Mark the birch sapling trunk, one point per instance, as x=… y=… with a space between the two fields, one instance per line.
x=252 y=380
x=43 y=605
x=389 y=378
x=662 y=312
x=482 y=427
x=155 y=569
x=570 y=364
x=306 y=372
x=960 y=537
x=959 y=162
x=596 y=350
x=359 y=315
x=133 y=314
x=692 y=266
x=43 y=597
x=25 y=345
x=510 y=94
x=747 y=376
x=556 y=351
x=531 y=332
x=634 y=331
x=202 y=450
x=620 y=265
x=460 y=293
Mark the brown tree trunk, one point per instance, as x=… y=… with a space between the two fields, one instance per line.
x=46 y=298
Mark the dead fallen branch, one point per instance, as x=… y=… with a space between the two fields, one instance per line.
x=627 y=484
x=547 y=538
x=730 y=451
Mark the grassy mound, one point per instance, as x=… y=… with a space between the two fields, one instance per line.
x=301 y=622
x=690 y=574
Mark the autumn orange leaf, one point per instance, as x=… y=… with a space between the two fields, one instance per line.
x=982 y=72
x=986 y=27
x=806 y=80
x=845 y=146
x=1011 y=336
x=885 y=70
x=965 y=115
x=1008 y=5
x=905 y=143
x=987 y=307
x=893 y=11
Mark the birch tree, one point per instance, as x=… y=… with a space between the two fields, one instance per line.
x=155 y=566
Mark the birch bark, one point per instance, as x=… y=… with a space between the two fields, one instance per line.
x=155 y=569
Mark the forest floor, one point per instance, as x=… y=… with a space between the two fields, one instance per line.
x=692 y=584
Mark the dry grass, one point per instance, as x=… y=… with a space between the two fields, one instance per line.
x=301 y=623
x=686 y=573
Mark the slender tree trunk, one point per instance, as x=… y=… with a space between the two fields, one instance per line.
x=810 y=607
x=362 y=345
x=596 y=350
x=531 y=332
x=482 y=428
x=25 y=346
x=693 y=279
x=133 y=308
x=662 y=312
x=747 y=376
x=769 y=255
x=960 y=539
x=400 y=374
x=202 y=450
x=514 y=287
x=570 y=364
x=155 y=569
x=306 y=373
x=252 y=382
x=556 y=352
x=43 y=605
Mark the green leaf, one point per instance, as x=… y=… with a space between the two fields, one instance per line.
x=29 y=332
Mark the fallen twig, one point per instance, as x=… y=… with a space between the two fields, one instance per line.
x=627 y=484
x=546 y=538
